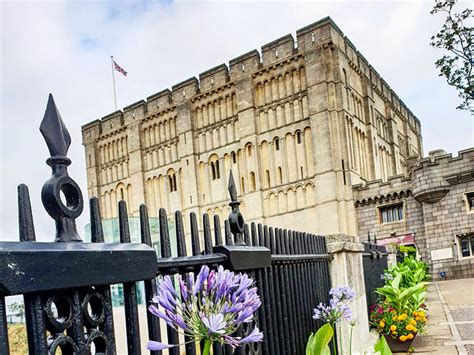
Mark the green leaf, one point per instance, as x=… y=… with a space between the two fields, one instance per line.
x=318 y=343
x=382 y=346
x=396 y=281
x=310 y=346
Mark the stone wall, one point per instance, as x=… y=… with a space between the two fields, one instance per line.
x=436 y=209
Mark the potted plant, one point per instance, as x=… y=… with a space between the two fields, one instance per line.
x=398 y=327
x=401 y=313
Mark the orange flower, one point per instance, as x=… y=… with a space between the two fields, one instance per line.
x=403 y=338
x=393 y=328
x=394 y=318
x=382 y=324
x=417 y=318
x=413 y=322
x=409 y=327
x=410 y=336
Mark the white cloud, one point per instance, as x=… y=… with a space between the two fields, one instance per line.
x=65 y=48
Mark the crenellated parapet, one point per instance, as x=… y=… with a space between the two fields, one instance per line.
x=430 y=179
x=378 y=191
x=433 y=176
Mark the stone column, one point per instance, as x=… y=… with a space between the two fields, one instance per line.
x=392 y=255
x=347 y=269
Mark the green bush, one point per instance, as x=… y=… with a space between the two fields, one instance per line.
x=413 y=272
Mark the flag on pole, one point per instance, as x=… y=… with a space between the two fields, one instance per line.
x=119 y=68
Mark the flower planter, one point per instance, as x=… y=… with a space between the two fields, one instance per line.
x=398 y=346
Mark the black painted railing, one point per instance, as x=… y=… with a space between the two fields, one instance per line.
x=375 y=262
x=66 y=283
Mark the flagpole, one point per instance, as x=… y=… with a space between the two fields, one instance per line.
x=113 y=81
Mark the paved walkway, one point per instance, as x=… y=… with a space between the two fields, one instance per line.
x=450 y=329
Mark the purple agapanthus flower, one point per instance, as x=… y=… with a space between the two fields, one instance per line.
x=212 y=306
x=338 y=308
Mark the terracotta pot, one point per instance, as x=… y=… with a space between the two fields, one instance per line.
x=398 y=346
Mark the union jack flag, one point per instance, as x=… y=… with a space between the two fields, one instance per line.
x=119 y=69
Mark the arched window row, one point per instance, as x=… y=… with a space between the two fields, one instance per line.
x=357 y=107
x=162 y=156
x=110 y=199
x=357 y=149
x=114 y=172
x=164 y=191
x=290 y=199
x=385 y=162
x=280 y=87
x=283 y=114
x=216 y=110
x=114 y=150
x=217 y=137
x=159 y=132
x=382 y=127
x=287 y=159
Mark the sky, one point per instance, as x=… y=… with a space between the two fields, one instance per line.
x=64 y=48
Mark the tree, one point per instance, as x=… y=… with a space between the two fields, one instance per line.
x=457 y=38
x=17 y=309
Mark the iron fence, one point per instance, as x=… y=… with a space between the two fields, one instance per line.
x=66 y=283
x=375 y=261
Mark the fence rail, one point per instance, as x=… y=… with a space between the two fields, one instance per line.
x=66 y=283
x=375 y=262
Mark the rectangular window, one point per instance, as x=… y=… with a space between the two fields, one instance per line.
x=392 y=213
x=466 y=245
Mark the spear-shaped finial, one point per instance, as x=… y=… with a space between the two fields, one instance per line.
x=64 y=212
x=54 y=131
x=232 y=189
x=236 y=220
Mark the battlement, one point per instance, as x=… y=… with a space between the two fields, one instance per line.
x=440 y=159
x=378 y=190
x=320 y=33
x=282 y=47
x=214 y=77
x=430 y=178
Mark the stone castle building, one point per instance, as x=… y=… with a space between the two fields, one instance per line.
x=298 y=124
x=432 y=208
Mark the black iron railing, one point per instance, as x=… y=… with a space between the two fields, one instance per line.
x=66 y=283
x=375 y=262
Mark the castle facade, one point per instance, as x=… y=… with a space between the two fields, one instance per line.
x=298 y=124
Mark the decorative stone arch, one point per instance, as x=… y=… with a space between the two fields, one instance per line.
x=249 y=149
x=172 y=185
x=214 y=166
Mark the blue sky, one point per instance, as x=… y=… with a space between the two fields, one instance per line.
x=65 y=48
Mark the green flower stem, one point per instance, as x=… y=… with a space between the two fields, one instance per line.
x=334 y=338
x=207 y=347
x=350 y=340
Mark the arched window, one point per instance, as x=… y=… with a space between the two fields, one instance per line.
x=249 y=149
x=215 y=171
x=234 y=158
x=267 y=176
x=277 y=143
x=172 y=180
x=252 y=181
x=298 y=137
x=280 y=176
